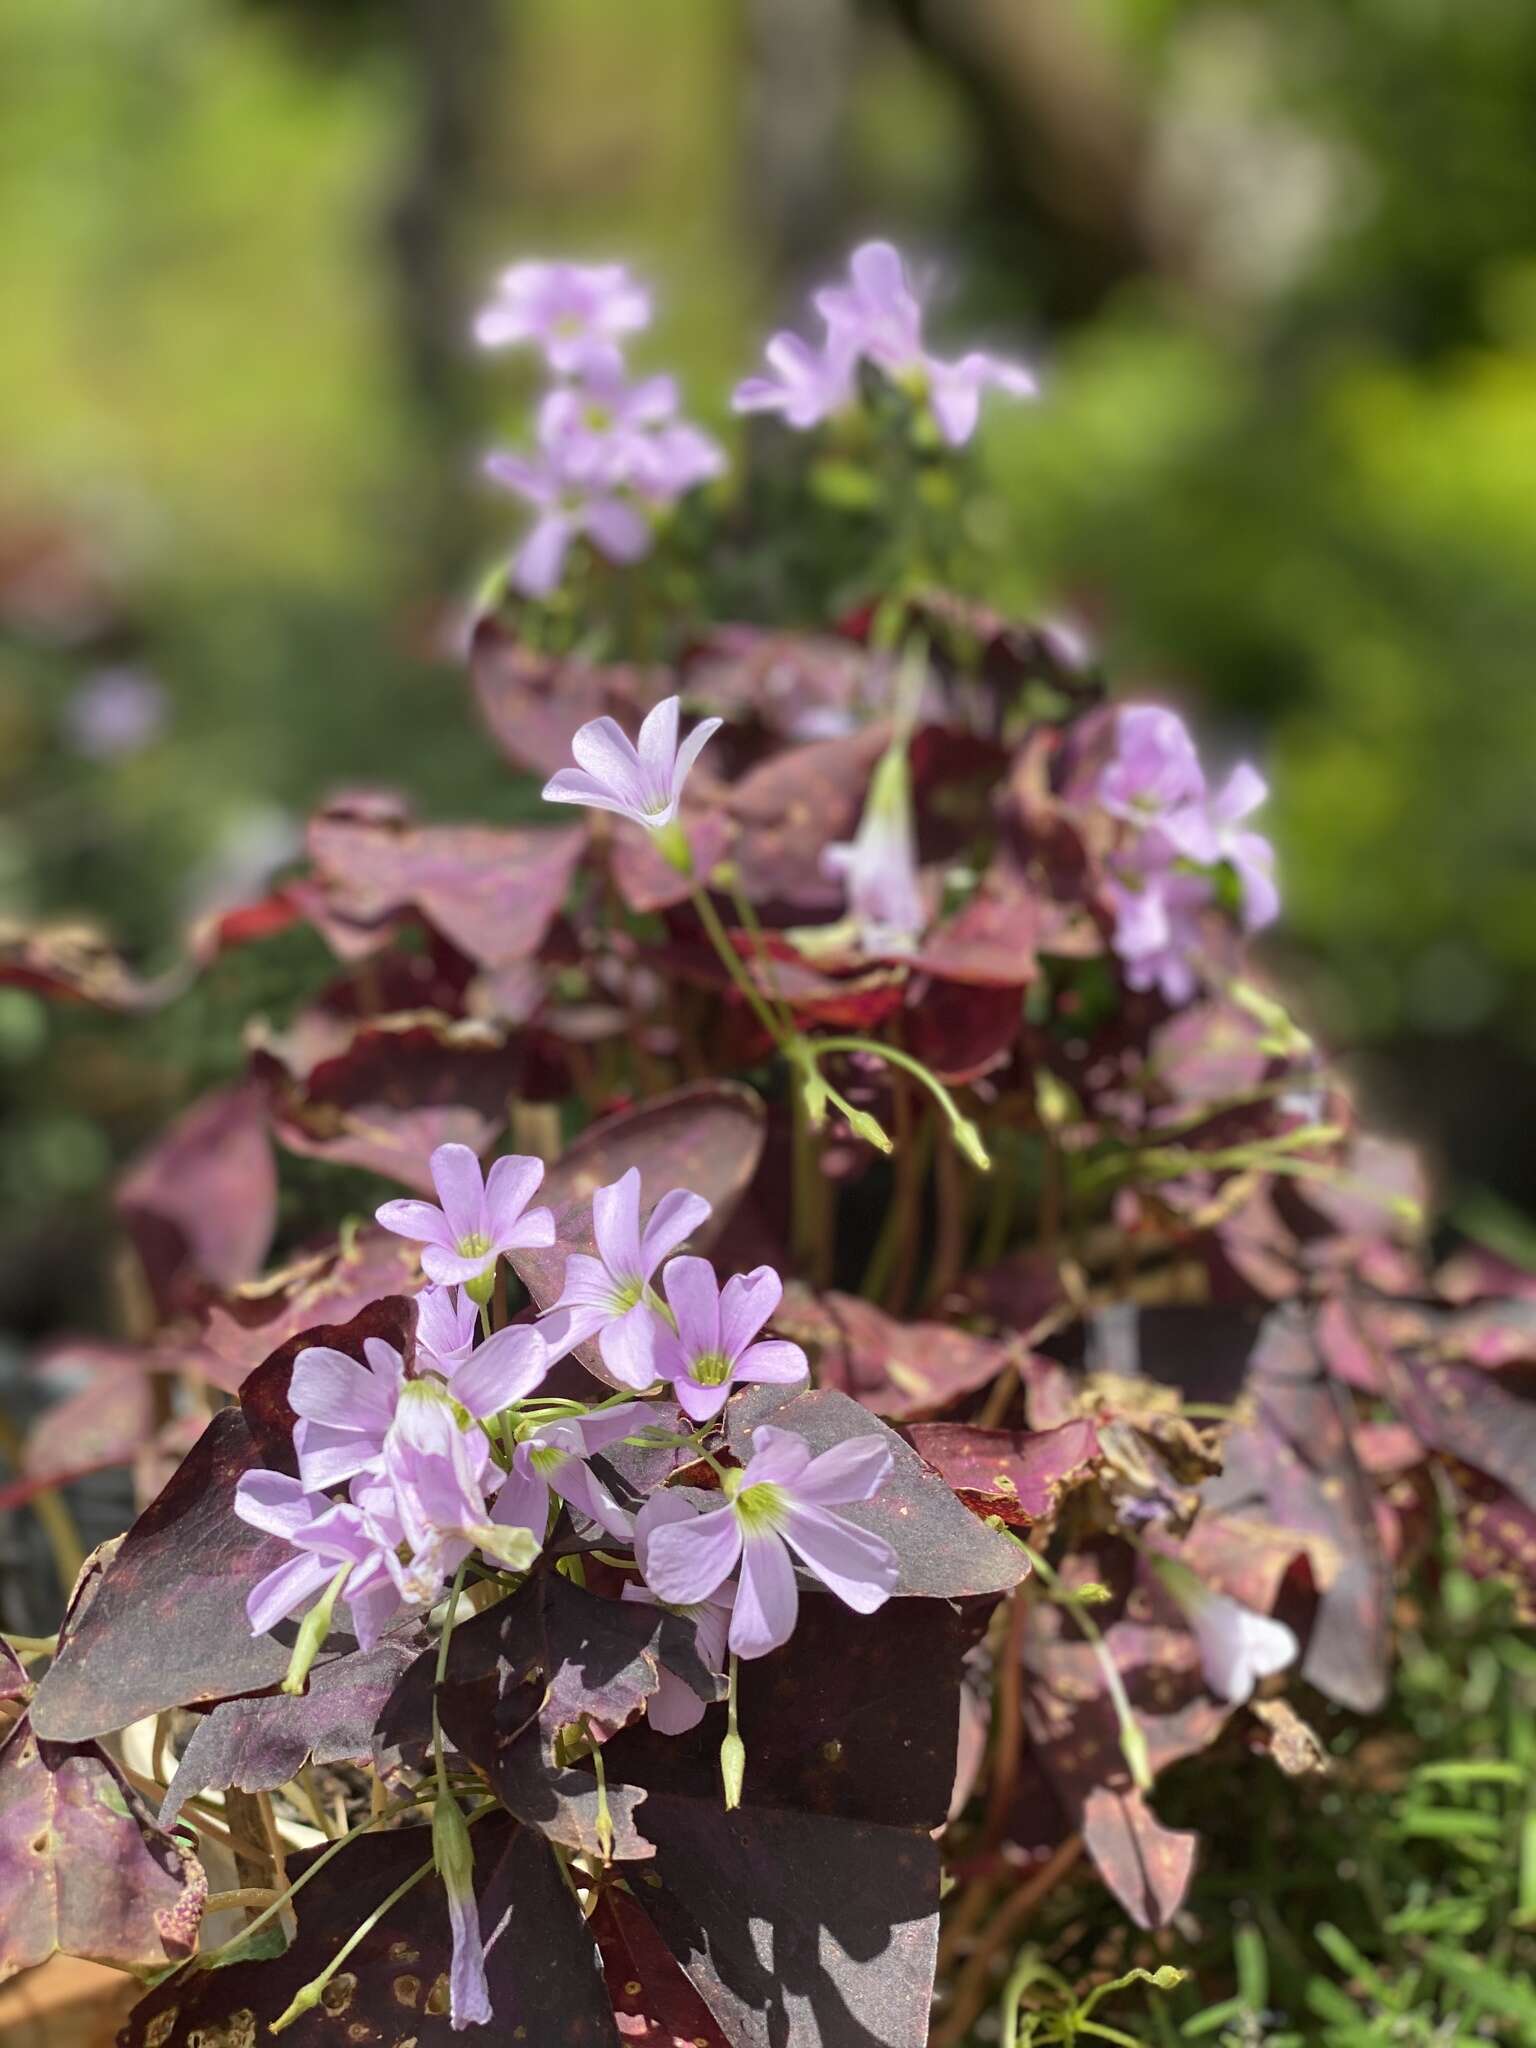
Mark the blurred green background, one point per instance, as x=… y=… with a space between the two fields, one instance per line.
x=1278 y=266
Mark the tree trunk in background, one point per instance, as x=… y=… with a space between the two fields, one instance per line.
x=798 y=74
x=1063 y=139
x=453 y=53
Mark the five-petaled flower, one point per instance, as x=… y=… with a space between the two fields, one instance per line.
x=643 y=783
x=608 y=1297
x=577 y=313
x=780 y=1503
x=481 y=1217
x=326 y=1537
x=713 y=1347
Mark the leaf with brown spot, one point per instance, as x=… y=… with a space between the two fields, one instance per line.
x=944 y=1552
x=1017 y=1474
x=656 y=2005
x=77 y=963
x=1467 y=1413
x=541 y=1965
x=201 y=1203
x=83 y=1869
x=1146 y=1865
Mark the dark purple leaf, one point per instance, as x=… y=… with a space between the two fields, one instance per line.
x=165 y=1624
x=83 y=1868
x=541 y=1966
x=857 y=1717
x=791 y=808
x=798 y=1931
x=945 y=1552
x=1146 y=1865
x=1465 y=1412
x=201 y=1203
x=258 y=1744
x=654 y=2002
x=1017 y=1474
x=990 y=940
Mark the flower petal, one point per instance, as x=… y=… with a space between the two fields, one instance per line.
x=506 y=1368
x=523 y=1502
x=855 y=1469
x=687 y=1561
x=512 y=1185
x=604 y=749
x=693 y=1295
x=859 y=1568
x=616 y=1225
x=658 y=747
x=777 y=1362
x=747 y=1300
x=460 y=1188
x=275 y=1597
x=448 y=1269
x=778 y=1456
x=628 y=1347
x=690 y=751
x=675 y=1217
x=275 y=1501
x=327 y=1386
x=767 y=1598
x=577 y=1484
x=422 y=1222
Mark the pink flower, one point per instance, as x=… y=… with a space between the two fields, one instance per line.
x=606 y=1297
x=576 y=312
x=554 y=1459
x=675 y=1707
x=1154 y=768
x=446 y=1322
x=877 y=316
x=879 y=866
x=779 y=1509
x=806 y=385
x=713 y=1349
x=644 y=783
x=325 y=1535
x=1158 y=930
x=572 y=505
x=480 y=1220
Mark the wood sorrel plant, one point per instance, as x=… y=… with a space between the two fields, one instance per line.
x=935 y=1351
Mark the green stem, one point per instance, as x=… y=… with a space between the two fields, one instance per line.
x=752 y=924
x=730 y=959
x=1133 y=1743
x=305 y=1999
x=967 y=1137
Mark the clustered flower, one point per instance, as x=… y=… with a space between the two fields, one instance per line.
x=610 y=453
x=407 y=1473
x=1178 y=837
x=876 y=318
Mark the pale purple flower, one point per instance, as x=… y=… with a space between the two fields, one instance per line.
x=446 y=1322
x=876 y=315
x=601 y=429
x=578 y=313
x=674 y=460
x=878 y=867
x=779 y=1509
x=469 y=1997
x=1210 y=833
x=325 y=1535
x=442 y=1476
x=505 y=1369
x=606 y=1297
x=675 y=1707
x=571 y=507
x=115 y=712
x=481 y=1218
x=1238 y=1646
x=714 y=1347
x=1158 y=930
x=345 y=1410
x=1155 y=767
x=805 y=384
x=644 y=783
x=554 y=1460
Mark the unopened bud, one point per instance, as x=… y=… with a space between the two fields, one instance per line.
x=451 y=1851
x=313 y=1630
x=733 y=1769
x=864 y=1126
x=968 y=1138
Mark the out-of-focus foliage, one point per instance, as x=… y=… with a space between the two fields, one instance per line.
x=1278 y=269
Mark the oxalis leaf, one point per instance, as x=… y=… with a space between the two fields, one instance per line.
x=165 y=1625
x=83 y=1868
x=541 y=1965
x=945 y=1553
